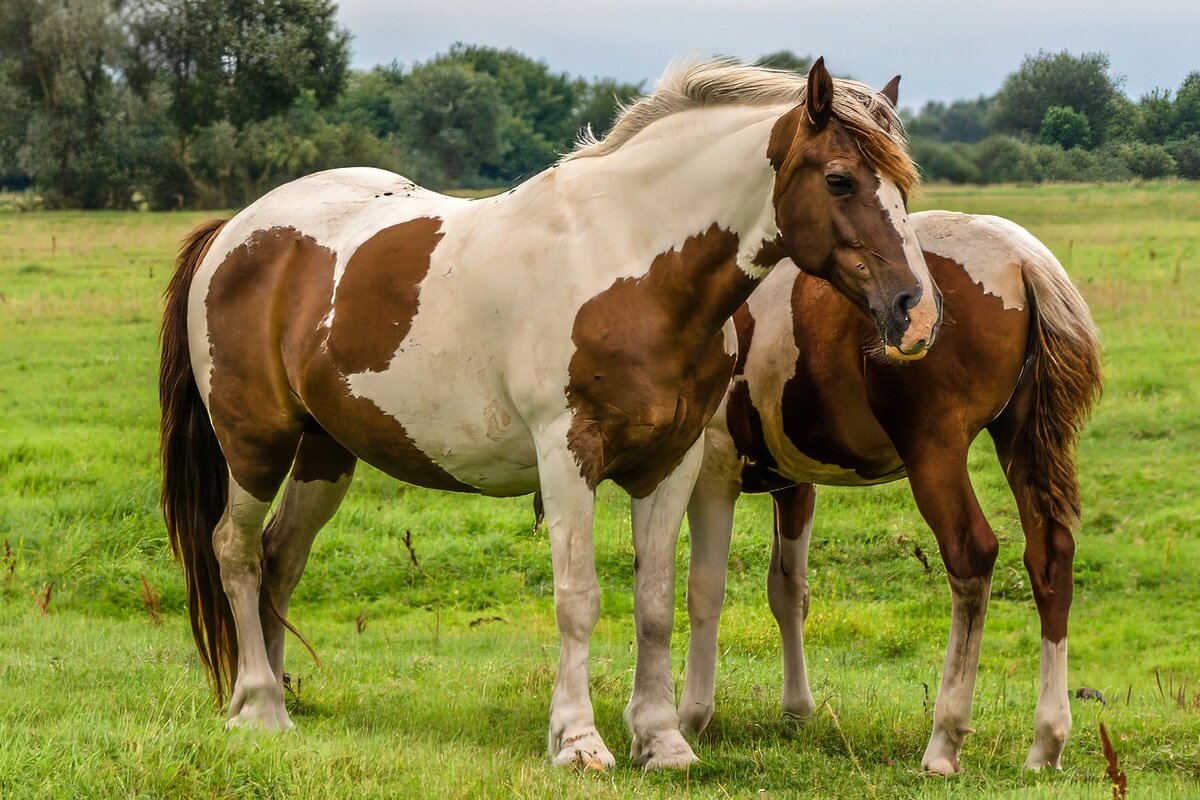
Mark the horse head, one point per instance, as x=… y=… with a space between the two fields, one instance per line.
x=843 y=175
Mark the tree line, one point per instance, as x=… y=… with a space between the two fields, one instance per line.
x=1061 y=117
x=210 y=103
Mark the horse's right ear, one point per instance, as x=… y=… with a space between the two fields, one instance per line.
x=819 y=98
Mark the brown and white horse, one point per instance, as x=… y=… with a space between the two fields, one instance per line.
x=570 y=331
x=810 y=403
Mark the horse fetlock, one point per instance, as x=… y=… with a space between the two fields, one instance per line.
x=695 y=716
x=945 y=746
x=1049 y=739
x=258 y=704
x=662 y=749
x=798 y=703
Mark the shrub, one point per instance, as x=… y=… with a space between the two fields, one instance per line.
x=1065 y=127
x=1147 y=160
x=1186 y=153
x=944 y=162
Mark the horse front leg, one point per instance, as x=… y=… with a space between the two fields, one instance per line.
x=569 y=506
x=651 y=716
x=942 y=489
x=787 y=590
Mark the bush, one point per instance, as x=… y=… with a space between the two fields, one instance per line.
x=944 y=162
x=1147 y=160
x=1000 y=159
x=1065 y=127
x=1186 y=153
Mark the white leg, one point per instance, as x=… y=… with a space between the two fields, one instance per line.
x=710 y=521
x=569 y=506
x=1052 y=719
x=952 y=711
x=787 y=590
x=305 y=508
x=257 y=698
x=657 y=742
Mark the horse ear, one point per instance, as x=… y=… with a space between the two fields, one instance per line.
x=819 y=98
x=891 y=92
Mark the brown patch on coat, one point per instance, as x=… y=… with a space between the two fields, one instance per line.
x=379 y=293
x=846 y=408
x=650 y=366
x=743 y=420
x=320 y=457
x=377 y=299
x=273 y=373
x=263 y=293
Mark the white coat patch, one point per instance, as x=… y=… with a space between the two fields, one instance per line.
x=990 y=249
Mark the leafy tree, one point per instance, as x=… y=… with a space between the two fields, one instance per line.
x=240 y=60
x=63 y=65
x=450 y=112
x=1187 y=107
x=367 y=101
x=600 y=100
x=537 y=108
x=1156 y=117
x=961 y=121
x=1046 y=80
x=787 y=60
x=1065 y=127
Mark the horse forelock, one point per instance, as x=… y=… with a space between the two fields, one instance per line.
x=869 y=119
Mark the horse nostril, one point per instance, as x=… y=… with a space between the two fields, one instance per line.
x=905 y=302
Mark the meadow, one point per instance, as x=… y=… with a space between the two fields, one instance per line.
x=432 y=613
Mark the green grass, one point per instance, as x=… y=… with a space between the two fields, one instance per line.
x=96 y=701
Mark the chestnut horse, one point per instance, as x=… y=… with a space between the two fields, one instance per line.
x=567 y=332
x=811 y=403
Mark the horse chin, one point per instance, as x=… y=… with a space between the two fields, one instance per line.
x=894 y=353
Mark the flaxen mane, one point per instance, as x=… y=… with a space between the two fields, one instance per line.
x=866 y=115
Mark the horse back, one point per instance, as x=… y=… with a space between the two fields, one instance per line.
x=813 y=402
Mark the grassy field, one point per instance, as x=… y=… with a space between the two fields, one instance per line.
x=437 y=668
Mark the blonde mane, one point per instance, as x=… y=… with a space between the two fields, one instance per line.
x=870 y=119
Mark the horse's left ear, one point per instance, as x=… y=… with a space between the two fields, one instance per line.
x=891 y=92
x=819 y=98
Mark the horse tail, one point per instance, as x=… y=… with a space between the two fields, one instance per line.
x=195 y=477
x=1065 y=376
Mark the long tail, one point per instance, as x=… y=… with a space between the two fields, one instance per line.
x=195 y=476
x=1066 y=381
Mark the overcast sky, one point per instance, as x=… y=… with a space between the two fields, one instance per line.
x=944 y=51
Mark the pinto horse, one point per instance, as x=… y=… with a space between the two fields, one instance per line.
x=810 y=403
x=570 y=331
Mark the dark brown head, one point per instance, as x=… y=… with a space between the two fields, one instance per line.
x=841 y=193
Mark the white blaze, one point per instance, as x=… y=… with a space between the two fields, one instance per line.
x=924 y=316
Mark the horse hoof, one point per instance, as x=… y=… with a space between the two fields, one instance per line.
x=250 y=719
x=940 y=766
x=585 y=752
x=662 y=750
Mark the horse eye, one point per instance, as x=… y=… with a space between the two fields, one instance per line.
x=839 y=185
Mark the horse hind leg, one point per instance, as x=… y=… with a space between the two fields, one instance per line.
x=257 y=697
x=710 y=523
x=321 y=476
x=787 y=590
x=1049 y=559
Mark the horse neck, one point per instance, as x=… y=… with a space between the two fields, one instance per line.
x=683 y=174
